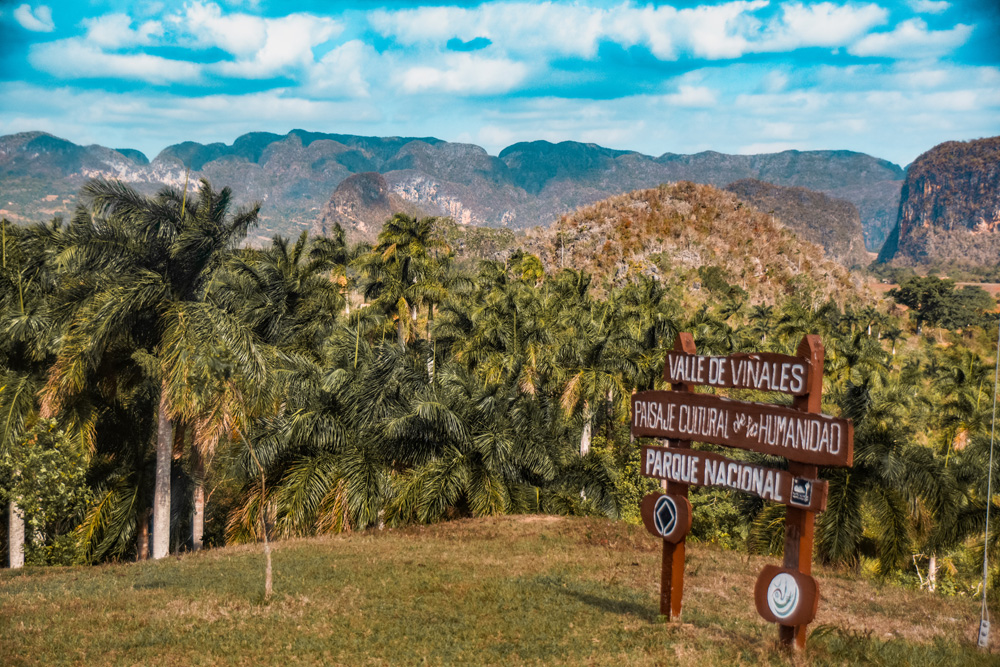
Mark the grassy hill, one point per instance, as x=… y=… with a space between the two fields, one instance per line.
x=510 y=590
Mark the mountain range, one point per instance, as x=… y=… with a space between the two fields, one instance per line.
x=296 y=177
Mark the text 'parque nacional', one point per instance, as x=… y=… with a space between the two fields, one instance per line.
x=687 y=466
x=770 y=429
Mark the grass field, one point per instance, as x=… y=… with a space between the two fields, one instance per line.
x=512 y=590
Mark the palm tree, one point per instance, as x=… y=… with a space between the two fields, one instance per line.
x=600 y=363
x=283 y=292
x=28 y=331
x=891 y=475
x=147 y=264
x=394 y=271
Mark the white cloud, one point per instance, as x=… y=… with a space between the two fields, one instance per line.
x=205 y=26
x=341 y=72
x=73 y=58
x=824 y=24
x=263 y=47
x=495 y=136
x=912 y=39
x=39 y=20
x=718 y=31
x=464 y=73
x=775 y=81
x=518 y=27
x=115 y=31
x=288 y=45
x=715 y=32
x=692 y=96
x=930 y=6
x=778 y=130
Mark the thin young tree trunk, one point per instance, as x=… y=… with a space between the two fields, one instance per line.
x=15 y=535
x=142 y=537
x=268 y=570
x=430 y=339
x=161 y=494
x=399 y=331
x=198 y=501
x=585 y=436
x=932 y=573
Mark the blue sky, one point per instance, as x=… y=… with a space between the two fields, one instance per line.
x=891 y=79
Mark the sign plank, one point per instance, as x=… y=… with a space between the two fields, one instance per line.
x=765 y=372
x=816 y=439
x=688 y=466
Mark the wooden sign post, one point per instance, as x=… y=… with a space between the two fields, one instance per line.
x=672 y=564
x=786 y=595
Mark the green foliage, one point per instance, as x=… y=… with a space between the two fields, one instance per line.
x=45 y=474
x=717 y=518
x=713 y=279
x=937 y=302
x=389 y=386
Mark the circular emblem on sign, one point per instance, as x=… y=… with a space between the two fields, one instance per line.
x=783 y=595
x=665 y=515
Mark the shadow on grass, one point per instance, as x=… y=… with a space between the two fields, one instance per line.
x=608 y=603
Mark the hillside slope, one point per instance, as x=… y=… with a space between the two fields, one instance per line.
x=813 y=216
x=950 y=207
x=674 y=229
x=496 y=591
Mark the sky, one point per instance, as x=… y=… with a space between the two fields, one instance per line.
x=887 y=78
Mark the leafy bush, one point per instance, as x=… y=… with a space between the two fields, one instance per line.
x=46 y=476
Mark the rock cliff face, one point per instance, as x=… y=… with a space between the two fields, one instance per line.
x=831 y=223
x=526 y=185
x=949 y=211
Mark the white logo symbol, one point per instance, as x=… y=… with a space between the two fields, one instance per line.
x=783 y=595
x=664 y=515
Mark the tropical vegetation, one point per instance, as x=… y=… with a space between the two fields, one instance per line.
x=164 y=387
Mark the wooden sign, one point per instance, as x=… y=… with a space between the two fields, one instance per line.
x=666 y=516
x=688 y=466
x=786 y=596
x=765 y=372
x=816 y=439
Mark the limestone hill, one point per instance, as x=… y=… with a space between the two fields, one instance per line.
x=673 y=230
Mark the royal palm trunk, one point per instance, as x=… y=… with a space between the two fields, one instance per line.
x=161 y=494
x=15 y=535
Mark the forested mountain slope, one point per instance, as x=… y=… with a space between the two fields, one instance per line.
x=813 y=216
x=678 y=232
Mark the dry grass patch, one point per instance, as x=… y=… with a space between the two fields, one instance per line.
x=510 y=590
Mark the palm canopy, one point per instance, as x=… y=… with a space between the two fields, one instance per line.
x=138 y=270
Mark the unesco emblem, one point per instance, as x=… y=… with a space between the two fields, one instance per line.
x=783 y=595
x=786 y=596
x=665 y=515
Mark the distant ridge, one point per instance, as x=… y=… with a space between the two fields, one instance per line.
x=526 y=185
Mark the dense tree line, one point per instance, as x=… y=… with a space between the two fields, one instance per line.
x=164 y=387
